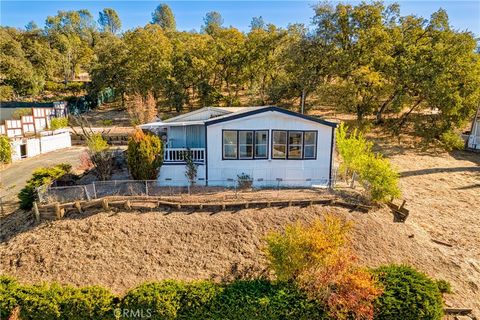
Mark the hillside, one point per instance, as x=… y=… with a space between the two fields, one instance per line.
x=121 y=250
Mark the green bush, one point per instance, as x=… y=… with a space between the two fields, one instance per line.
x=261 y=299
x=144 y=155
x=19 y=113
x=107 y=122
x=375 y=173
x=5 y=150
x=444 y=286
x=8 y=302
x=58 y=123
x=40 y=177
x=55 y=301
x=255 y=299
x=160 y=299
x=452 y=141
x=408 y=294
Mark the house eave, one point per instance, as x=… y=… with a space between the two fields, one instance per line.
x=235 y=116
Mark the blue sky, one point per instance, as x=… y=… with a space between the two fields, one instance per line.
x=464 y=15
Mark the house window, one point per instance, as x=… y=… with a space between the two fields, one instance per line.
x=279 y=144
x=310 y=145
x=245 y=144
x=230 y=144
x=261 y=144
x=295 y=144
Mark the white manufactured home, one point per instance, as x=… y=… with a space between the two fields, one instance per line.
x=474 y=137
x=270 y=145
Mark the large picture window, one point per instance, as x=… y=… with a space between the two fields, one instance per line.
x=230 y=144
x=245 y=144
x=294 y=144
x=261 y=144
x=310 y=145
x=279 y=143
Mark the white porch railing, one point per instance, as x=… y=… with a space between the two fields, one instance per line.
x=177 y=154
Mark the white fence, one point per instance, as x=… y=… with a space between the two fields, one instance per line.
x=48 y=141
x=178 y=154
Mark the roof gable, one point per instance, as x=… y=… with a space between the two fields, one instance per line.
x=200 y=114
x=238 y=115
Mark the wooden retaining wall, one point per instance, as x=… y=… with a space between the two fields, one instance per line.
x=57 y=210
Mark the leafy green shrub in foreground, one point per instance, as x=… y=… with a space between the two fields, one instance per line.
x=408 y=295
x=8 y=302
x=46 y=302
x=40 y=177
x=255 y=299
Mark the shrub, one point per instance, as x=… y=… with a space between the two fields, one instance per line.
x=244 y=181
x=452 y=141
x=100 y=155
x=191 y=168
x=379 y=179
x=161 y=299
x=319 y=260
x=8 y=302
x=253 y=299
x=300 y=247
x=376 y=174
x=107 y=122
x=55 y=301
x=40 y=177
x=261 y=299
x=20 y=112
x=144 y=155
x=5 y=150
x=444 y=286
x=58 y=123
x=408 y=294
x=87 y=303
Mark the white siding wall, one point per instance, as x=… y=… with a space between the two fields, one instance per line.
x=55 y=142
x=297 y=171
x=174 y=175
x=33 y=147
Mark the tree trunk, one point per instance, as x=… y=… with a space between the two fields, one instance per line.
x=379 y=115
x=359 y=114
x=405 y=116
x=303 y=100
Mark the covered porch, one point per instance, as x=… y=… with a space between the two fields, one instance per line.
x=179 y=138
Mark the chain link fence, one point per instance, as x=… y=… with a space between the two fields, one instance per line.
x=215 y=188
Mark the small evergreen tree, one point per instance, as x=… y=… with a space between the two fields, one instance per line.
x=144 y=155
x=191 y=168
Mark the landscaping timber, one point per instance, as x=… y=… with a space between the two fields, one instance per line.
x=150 y=203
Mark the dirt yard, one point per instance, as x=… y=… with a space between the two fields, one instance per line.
x=121 y=250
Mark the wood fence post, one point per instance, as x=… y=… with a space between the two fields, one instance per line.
x=105 y=204
x=78 y=206
x=36 y=212
x=94 y=190
x=58 y=211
